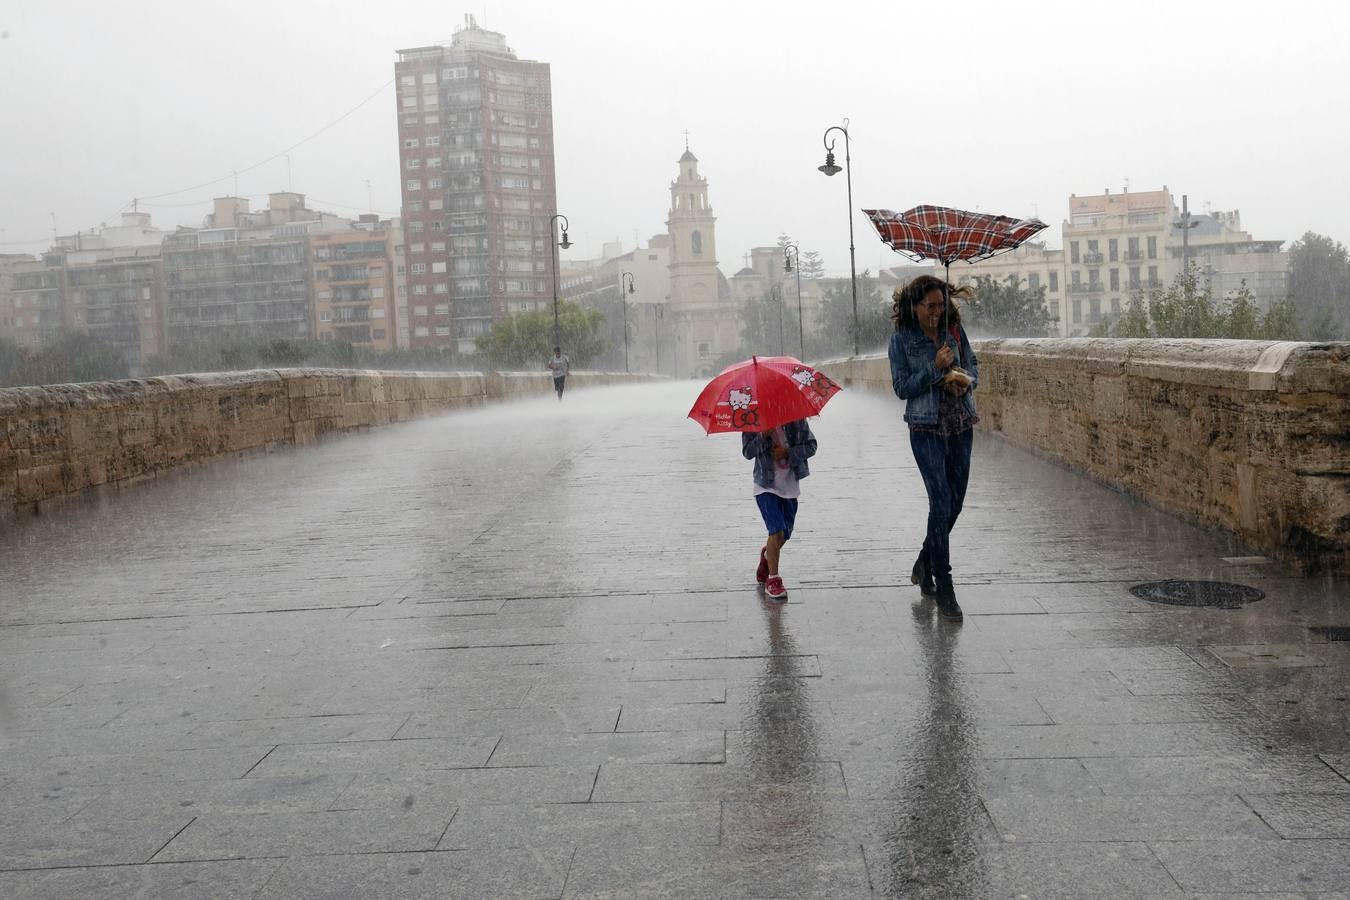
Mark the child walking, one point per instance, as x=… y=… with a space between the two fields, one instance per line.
x=780 y=456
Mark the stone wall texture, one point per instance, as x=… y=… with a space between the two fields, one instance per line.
x=58 y=440
x=1252 y=437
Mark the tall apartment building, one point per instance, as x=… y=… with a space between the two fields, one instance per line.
x=476 y=166
x=353 y=278
x=105 y=282
x=246 y=275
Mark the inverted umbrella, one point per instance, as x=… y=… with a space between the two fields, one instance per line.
x=760 y=393
x=948 y=235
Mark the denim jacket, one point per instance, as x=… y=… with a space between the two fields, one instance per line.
x=915 y=376
x=801 y=447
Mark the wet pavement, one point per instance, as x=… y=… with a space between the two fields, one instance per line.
x=520 y=652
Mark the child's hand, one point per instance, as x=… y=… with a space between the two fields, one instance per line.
x=780 y=452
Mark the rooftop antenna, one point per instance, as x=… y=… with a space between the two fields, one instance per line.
x=370 y=201
x=686 y=140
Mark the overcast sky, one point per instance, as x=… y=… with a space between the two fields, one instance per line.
x=998 y=106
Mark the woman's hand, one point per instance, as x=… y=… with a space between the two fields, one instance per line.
x=945 y=358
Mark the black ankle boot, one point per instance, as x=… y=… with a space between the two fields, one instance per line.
x=947 y=606
x=922 y=575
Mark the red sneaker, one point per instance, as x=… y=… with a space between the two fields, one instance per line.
x=762 y=573
x=774 y=588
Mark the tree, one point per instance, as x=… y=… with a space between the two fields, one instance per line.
x=769 y=326
x=74 y=357
x=812 y=266
x=1185 y=309
x=525 y=341
x=1006 y=309
x=1319 y=285
x=836 y=317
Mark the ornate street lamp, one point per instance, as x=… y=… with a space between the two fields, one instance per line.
x=564 y=243
x=625 y=279
x=792 y=260
x=776 y=292
x=831 y=169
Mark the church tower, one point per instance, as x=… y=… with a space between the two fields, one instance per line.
x=705 y=324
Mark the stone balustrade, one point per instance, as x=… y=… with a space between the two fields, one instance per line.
x=58 y=440
x=1252 y=437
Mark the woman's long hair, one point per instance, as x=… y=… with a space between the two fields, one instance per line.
x=906 y=298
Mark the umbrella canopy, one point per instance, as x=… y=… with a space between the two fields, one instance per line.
x=761 y=393
x=948 y=235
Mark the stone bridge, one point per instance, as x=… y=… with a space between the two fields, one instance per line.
x=517 y=650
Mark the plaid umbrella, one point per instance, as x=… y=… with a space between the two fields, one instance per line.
x=948 y=235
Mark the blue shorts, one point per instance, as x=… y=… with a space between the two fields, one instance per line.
x=779 y=514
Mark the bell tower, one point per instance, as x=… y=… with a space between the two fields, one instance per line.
x=695 y=299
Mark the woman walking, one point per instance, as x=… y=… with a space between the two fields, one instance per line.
x=934 y=370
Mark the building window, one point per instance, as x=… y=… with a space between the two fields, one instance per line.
x=414 y=164
x=1094 y=310
x=1034 y=281
x=1134 y=284
x=441 y=287
x=1132 y=248
x=325 y=316
x=1153 y=277
x=438 y=268
x=696 y=243
x=442 y=330
x=1152 y=248
x=419 y=268
x=1077 y=312
x=1073 y=252
x=419 y=310
x=419 y=290
x=414 y=184
x=1112 y=246
x=1115 y=279
x=1054 y=282
x=420 y=331
x=411 y=143
x=408 y=80
x=433 y=141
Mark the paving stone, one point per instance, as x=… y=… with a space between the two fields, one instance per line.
x=583 y=749
x=830 y=870
x=663 y=824
x=622 y=782
x=472 y=875
x=1256 y=865
x=234 y=836
x=368 y=756
x=239 y=879
x=1070 y=870
x=453 y=787
x=1038 y=819
x=74 y=842
x=1213 y=774
x=1304 y=815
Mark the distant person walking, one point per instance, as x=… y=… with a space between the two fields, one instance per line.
x=559 y=365
x=925 y=350
x=780 y=456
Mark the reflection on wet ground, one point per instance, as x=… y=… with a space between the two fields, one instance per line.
x=520 y=651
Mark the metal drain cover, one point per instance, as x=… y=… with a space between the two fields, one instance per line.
x=1332 y=632
x=1176 y=592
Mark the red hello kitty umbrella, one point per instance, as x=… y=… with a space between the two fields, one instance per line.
x=761 y=393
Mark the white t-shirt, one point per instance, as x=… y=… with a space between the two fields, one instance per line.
x=785 y=483
x=559 y=365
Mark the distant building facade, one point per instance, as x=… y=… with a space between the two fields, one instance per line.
x=706 y=321
x=476 y=166
x=354 y=283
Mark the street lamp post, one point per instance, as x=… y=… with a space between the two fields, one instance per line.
x=831 y=169
x=1185 y=223
x=792 y=260
x=626 y=277
x=775 y=291
x=564 y=243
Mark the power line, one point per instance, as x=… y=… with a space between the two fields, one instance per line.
x=274 y=156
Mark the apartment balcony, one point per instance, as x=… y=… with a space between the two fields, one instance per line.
x=1133 y=256
x=1092 y=287
x=1093 y=259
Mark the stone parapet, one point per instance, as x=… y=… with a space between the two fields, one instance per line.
x=58 y=440
x=1252 y=437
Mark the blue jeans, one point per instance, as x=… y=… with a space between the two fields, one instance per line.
x=944 y=464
